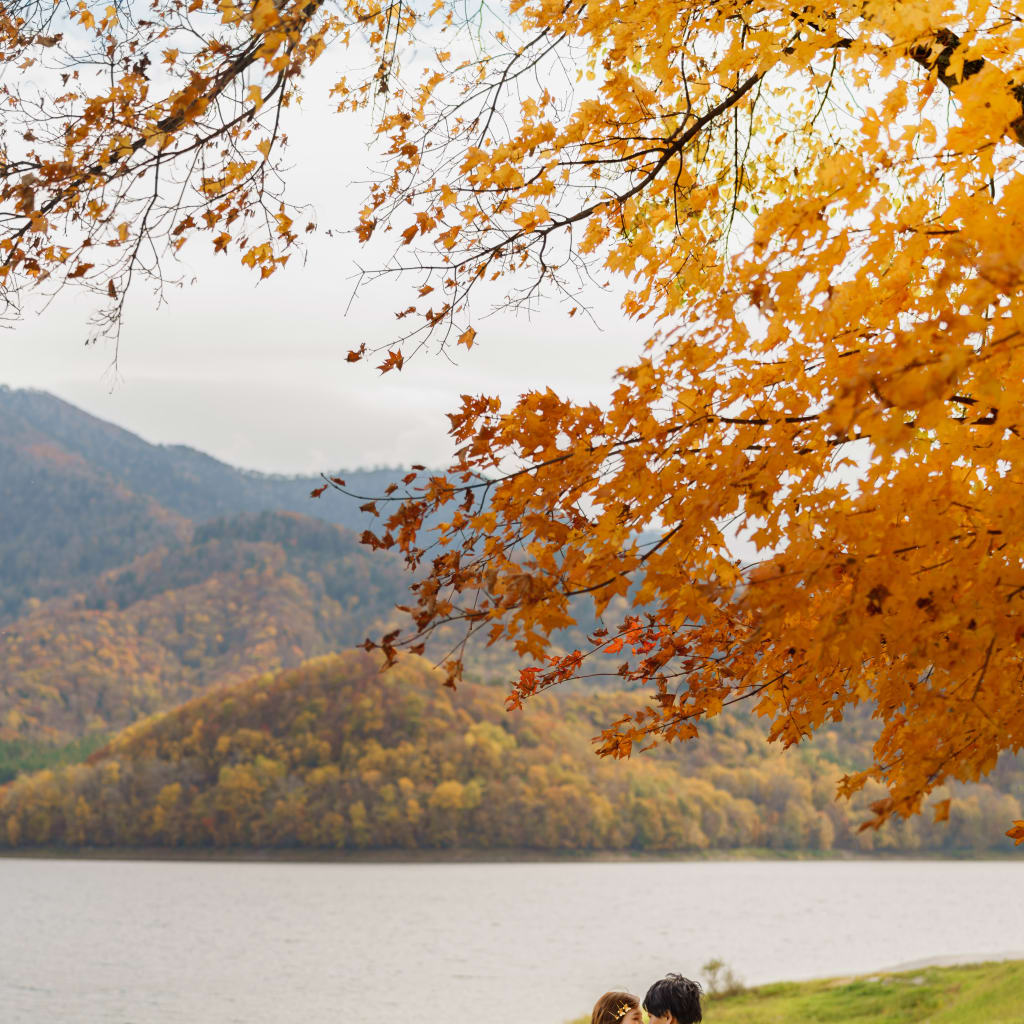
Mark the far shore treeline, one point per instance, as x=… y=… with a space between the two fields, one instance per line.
x=333 y=755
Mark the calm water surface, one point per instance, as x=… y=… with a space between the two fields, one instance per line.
x=137 y=942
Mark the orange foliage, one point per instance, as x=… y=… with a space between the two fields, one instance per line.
x=195 y=89
x=821 y=211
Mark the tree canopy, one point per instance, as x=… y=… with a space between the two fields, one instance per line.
x=817 y=209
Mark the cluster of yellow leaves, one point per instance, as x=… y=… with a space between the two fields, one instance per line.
x=822 y=209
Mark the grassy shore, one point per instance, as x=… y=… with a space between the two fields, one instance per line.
x=976 y=994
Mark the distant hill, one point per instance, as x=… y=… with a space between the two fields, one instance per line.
x=79 y=496
x=134 y=576
x=237 y=597
x=241 y=596
x=333 y=755
x=64 y=520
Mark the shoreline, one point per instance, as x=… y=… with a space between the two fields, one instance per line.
x=957 y=960
x=471 y=856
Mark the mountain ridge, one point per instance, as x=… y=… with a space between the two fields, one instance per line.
x=191 y=482
x=134 y=576
x=80 y=496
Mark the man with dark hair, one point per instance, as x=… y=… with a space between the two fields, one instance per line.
x=673 y=1000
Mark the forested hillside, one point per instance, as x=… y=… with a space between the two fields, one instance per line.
x=134 y=576
x=333 y=755
x=244 y=596
x=79 y=497
x=63 y=520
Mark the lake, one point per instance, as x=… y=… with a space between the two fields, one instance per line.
x=153 y=942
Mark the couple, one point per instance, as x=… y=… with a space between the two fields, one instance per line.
x=673 y=1000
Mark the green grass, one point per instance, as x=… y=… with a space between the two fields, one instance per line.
x=977 y=994
x=19 y=757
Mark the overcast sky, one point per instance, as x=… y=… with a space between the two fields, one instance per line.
x=255 y=374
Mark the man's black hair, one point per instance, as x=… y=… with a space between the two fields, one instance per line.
x=676 y=995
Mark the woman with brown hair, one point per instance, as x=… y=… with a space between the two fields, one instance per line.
x=616 y=1008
